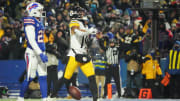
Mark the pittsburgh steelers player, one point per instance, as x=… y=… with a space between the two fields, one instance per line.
x=78 y=35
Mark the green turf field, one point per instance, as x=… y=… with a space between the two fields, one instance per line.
x=24 y=100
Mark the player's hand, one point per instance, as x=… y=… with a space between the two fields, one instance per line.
x=43 y=57
x=92 y=30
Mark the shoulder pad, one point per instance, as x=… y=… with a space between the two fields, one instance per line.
x=29 y=21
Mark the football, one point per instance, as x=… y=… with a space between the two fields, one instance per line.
x=75 y=92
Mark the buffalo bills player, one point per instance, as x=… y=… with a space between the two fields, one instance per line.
x=35 y=52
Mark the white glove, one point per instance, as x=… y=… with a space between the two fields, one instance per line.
x=92 y=30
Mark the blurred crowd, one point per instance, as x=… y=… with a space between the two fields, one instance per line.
x=117 y=20
x=112 y=18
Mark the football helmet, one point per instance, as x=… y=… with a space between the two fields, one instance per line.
x=35 y=9
x=77 y=12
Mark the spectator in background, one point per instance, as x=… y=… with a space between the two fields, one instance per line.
x=134 y=82
x=7 y=43
x=3 y=22
x=19 y=40
x=173 y=16
x=59 y=18
x=173 y=30
x=119 y=36
x=62 y=45
x=152 y=74
x=173 y=69
x=52 y=64
x=177 y=34
x=99 y=62
x=100 y=65
x=103 y=40
x=124 y=5
x=23 y=45
x=130 y=40
x=147 y=42
x=48 y=36
x=120 y=33
x=163 y=40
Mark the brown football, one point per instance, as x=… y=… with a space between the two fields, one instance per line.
x=75 y=92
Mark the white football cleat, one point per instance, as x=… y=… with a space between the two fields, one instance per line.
x=20 y=99
x=44 y=99
x=52 y=99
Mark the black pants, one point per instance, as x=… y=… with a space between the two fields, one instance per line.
x=174 y=87
x=133 y=84
x=112 y=71
x=156 y=89
x=52 y=77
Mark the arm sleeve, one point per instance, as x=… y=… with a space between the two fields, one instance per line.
x=30 y=30
x=80 y=33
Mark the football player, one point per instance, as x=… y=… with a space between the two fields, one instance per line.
x=35 y=52
x=78 y=35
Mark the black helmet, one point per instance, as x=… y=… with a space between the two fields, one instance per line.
x=75 y=12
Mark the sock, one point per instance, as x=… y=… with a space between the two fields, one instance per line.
x=24 y=87
x=43 y=86
x=67 y=83
x=93 y=87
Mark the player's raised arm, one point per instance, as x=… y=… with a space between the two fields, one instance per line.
x=77 y=27
x=85 y=32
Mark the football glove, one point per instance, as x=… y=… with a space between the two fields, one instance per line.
x=43 y=57
x=92 y=30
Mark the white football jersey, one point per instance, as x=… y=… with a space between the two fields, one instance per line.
x=77 y=42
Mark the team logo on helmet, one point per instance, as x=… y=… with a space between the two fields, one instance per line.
x=34 y=6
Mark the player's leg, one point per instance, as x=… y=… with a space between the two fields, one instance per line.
x=42 y=72
x=31 y=65
x=88 y=70
x=74 y=78
x=68 y=72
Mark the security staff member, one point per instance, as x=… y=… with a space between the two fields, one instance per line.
x=174 y=70
x=112 y=70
